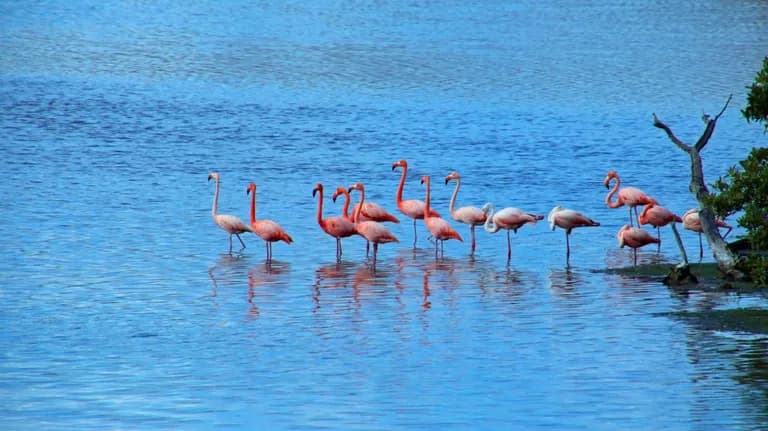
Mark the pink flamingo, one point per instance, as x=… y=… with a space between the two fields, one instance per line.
x=412 y=208
x=568 y=219
x=229 y=223
x=630 y=196
x=473 y=216
x=692 y=222
x=372 y=231
x=440 y=229
x=345 y=210
x=657 y=216
x=510 y=219
x=635 y=238
x=337 y=227
x=267 y=230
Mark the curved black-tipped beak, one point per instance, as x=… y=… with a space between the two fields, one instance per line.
x=314 y=192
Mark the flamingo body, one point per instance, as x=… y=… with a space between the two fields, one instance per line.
x=233 y=225
x=635 y=238
x=692 y=222
x=473 y=216
x=440 y=229
x=412 y=208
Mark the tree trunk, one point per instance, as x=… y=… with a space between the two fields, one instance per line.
x=726 y=260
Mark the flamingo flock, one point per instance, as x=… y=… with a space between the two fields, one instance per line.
x=368 y=218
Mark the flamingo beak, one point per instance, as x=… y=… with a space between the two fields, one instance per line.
x=314 y=192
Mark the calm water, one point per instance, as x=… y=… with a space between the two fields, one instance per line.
x=121 y=308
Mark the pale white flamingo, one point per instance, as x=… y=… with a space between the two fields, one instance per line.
x=473 y=216
x=233 y=225
x=568 y=219
x=267 y=230
x=510 y=219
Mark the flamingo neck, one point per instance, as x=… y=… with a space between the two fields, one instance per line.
x=399 y=196
x=451 y=206
x=426 y=200
x=617 y=203
x=253 y=206
x=215 y=207
x=489 y=221
x=345 y=210
x=320 y=207
x=359 y=206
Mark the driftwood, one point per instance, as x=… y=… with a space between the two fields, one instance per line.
x=726 y=260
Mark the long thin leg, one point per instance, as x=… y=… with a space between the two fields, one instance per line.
x=437 y=245
x=375 y=251
x=634 y=250
x=509 y=248
x=637 y=217
x=567 y=249
x=414 y=233
x=701 y=249
x=472 y=234
x=658 y=235
x=230 y=243
x=238 y=237
x=630 y=216
x=338 y=249
x=367 y=248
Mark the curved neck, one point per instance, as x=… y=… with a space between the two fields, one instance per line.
x=399 y=196
x=455 y=193
x=345 y=209
x=359 y=206
x=215 y=206
x=489 y=221
x=616 y=203
x=253 y=205
x=320 y=206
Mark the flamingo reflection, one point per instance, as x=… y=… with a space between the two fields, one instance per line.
x=269 y=273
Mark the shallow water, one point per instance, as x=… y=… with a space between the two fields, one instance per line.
x=123 y=309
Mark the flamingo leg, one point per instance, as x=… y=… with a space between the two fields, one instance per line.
x=414 y=233
x=230 y=244
x=634 y=251
x=367 y=248
x=630 y=217
x=437 y=245
x=701 y=249
x=338 y=249
x=238 y=237
x=658 y=235
x=472 y=234
x=509 y=248
x=375 y=250
x=567 y=249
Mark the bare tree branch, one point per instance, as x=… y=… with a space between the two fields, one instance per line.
x=680 y=144
x=711 y=123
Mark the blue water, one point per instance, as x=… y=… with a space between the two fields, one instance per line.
x=121 y=308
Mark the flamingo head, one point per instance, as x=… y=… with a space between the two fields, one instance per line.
x=318 y=188
x=339 y=191
x=425 y=179
x=486 y=208
x=452 y=176
x=609 y=176
x=356 y=186
x=213 y=176
x=400 y=164
x=251 y=188
x=551 y=216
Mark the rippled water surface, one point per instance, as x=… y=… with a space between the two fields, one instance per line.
x=121 y=308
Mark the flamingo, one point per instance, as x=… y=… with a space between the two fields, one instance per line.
x=635 y=238
x=692 y=222
x=510 y=219
x=412 y=208
x=345 y=210
x=372 y=231
x=233 y=225
x=473 y=216
x=630 y=196
x=568 y=219
x=267 y=230
x=657 y=216
x=440 y=229
x=337 y=227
